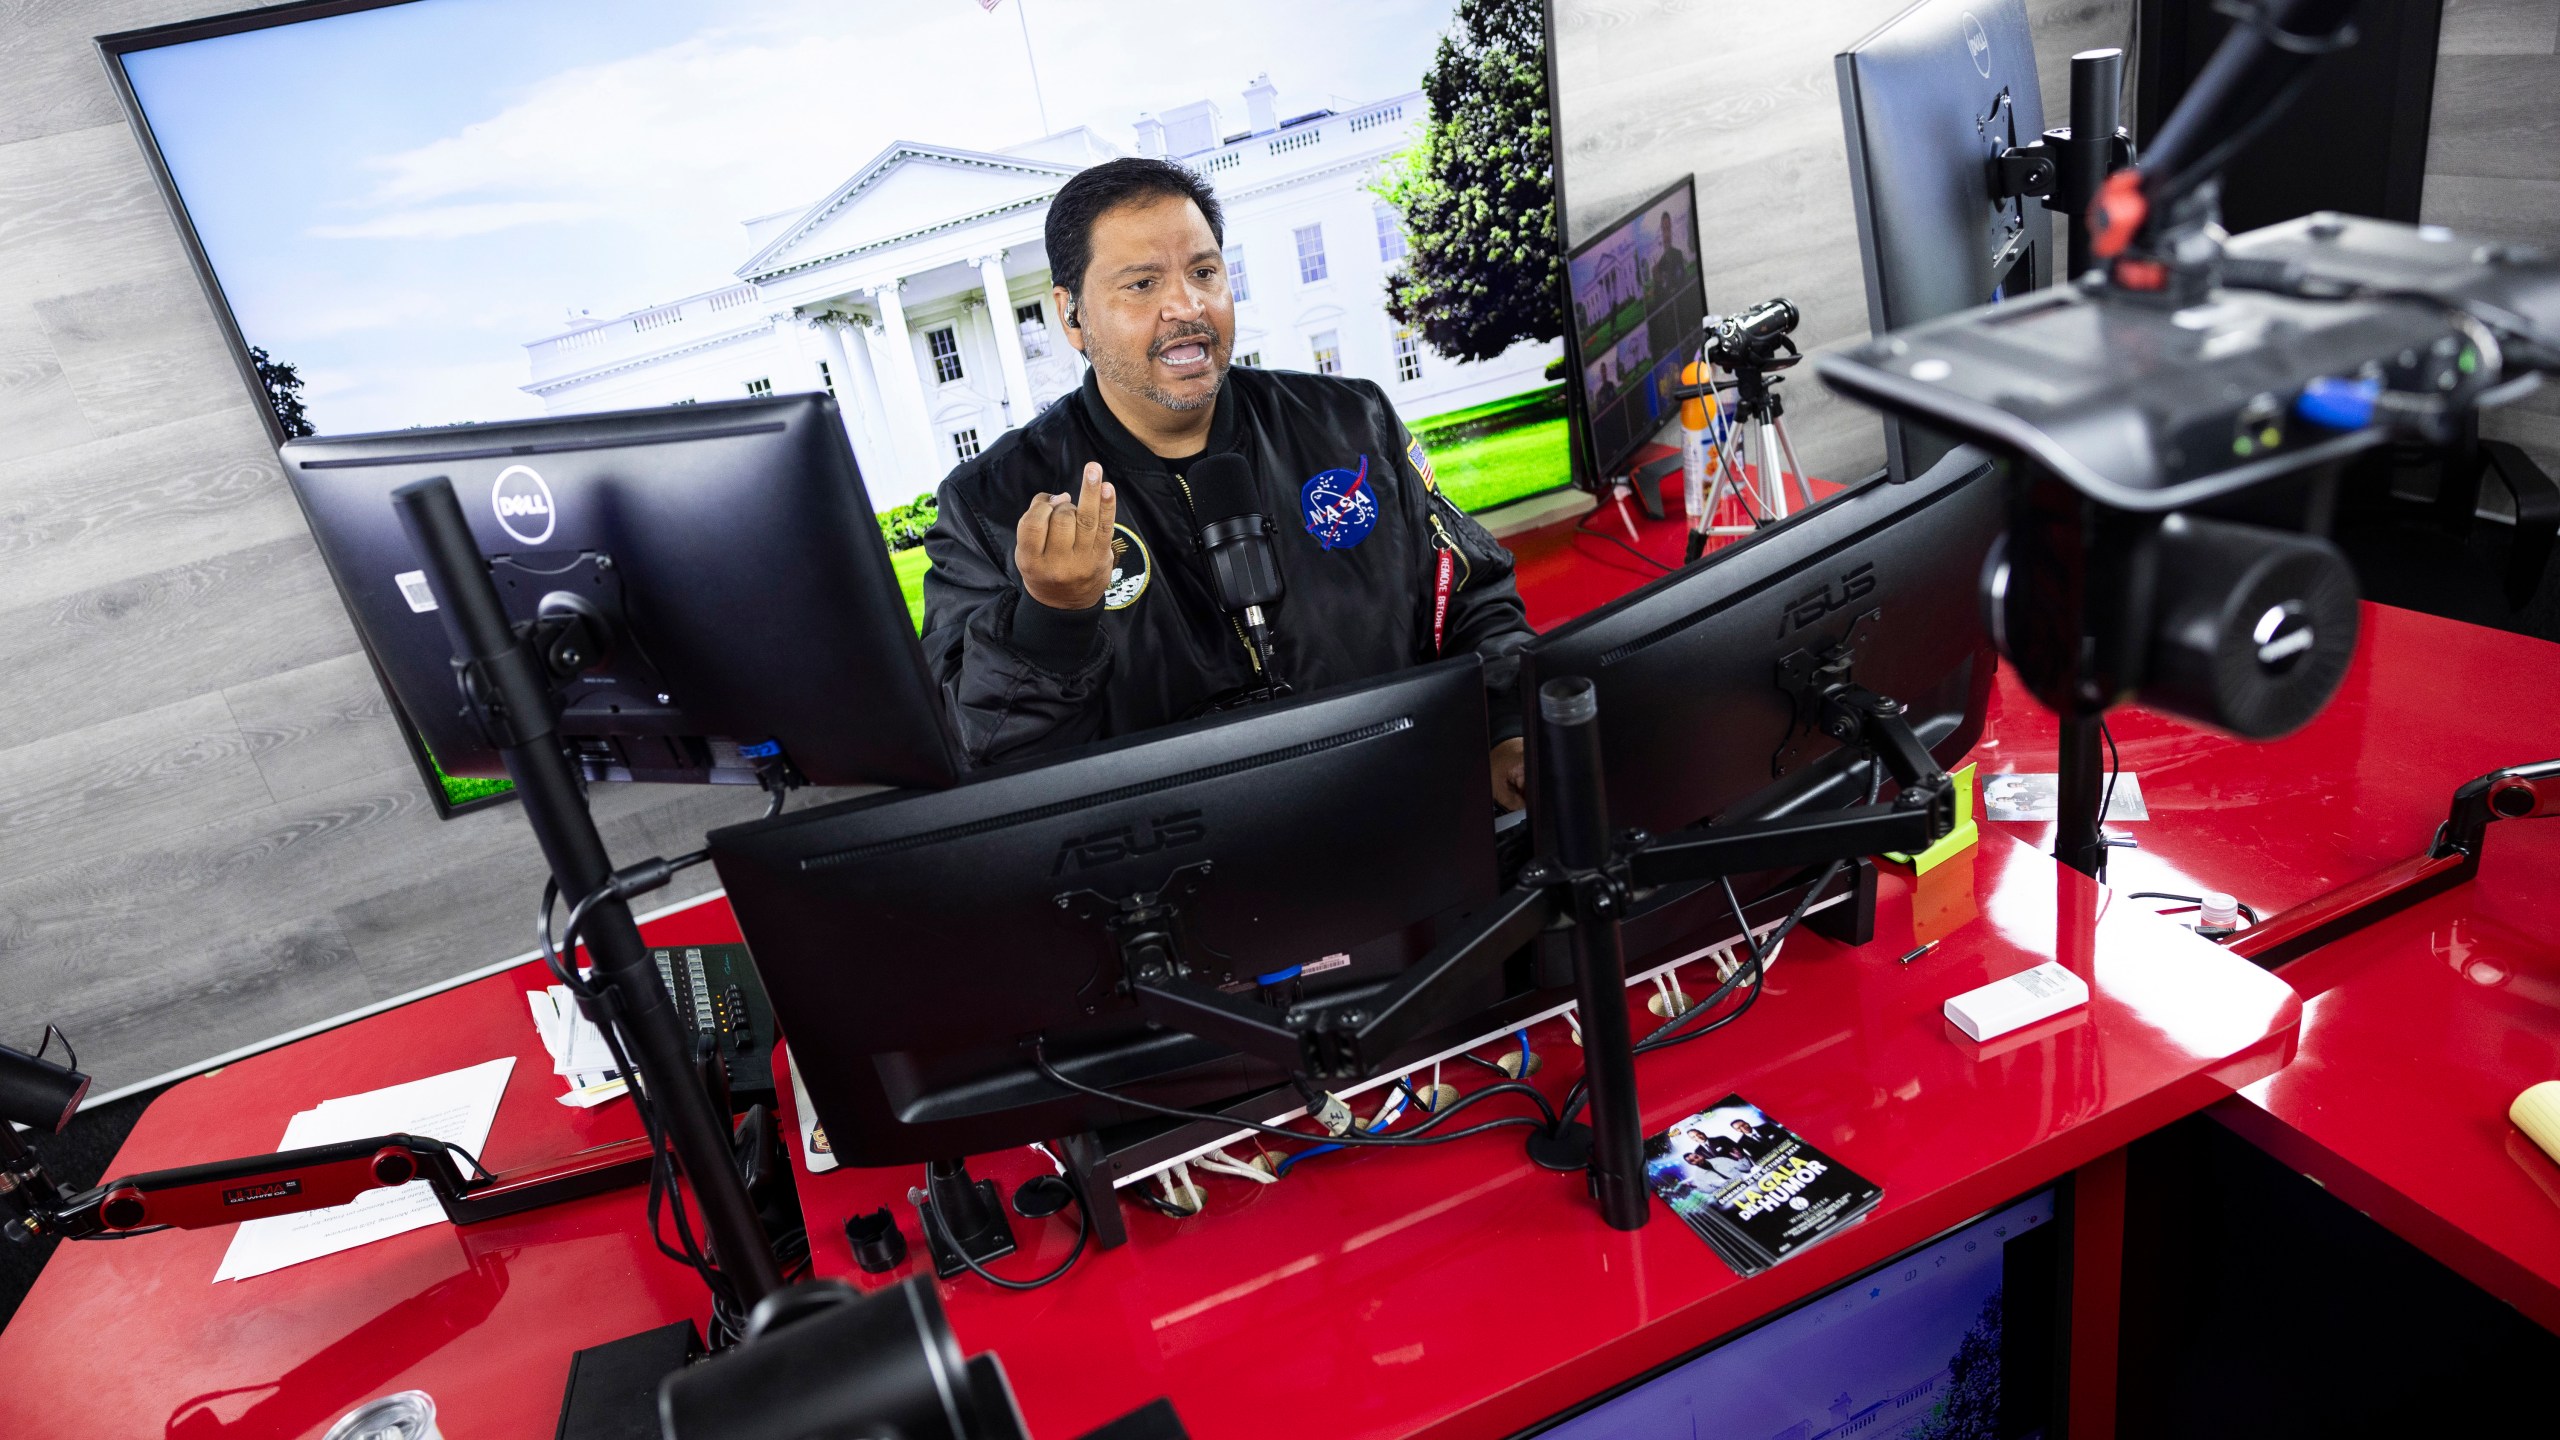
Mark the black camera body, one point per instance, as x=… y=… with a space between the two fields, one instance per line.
x=1754 y=339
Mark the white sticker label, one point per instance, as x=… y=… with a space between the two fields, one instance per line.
x=1330 y=962
x=414 y=589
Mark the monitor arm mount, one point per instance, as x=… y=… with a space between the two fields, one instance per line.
x=1585 y=883
x=2519 y=792
x=508 y=683
x=225 y=1192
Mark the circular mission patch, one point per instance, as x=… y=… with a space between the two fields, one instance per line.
x=1131 y=568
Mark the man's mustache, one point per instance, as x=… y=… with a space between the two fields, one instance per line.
x=1207 y=334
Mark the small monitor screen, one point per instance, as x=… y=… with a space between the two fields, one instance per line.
x=1639 y=297
x=1955 y=1338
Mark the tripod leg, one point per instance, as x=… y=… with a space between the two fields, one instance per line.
x=1773 y=483
x=1787 y=443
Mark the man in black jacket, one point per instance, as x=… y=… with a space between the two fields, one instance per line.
x=1054 y=618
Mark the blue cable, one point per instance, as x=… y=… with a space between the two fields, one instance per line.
x=1524 y=1053
x=1308 y=1154
x=1279 y=977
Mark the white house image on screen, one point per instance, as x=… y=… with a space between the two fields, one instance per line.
x=917 y=292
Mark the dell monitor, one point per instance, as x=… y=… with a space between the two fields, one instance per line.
x=1929 y=101
x=1639 y=305
x=914 y=943
x=736 y=616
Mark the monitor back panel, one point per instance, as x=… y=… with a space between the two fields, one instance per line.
x=914 y=943
x=1696 y=719
x=737 y=542
x=1926 y=102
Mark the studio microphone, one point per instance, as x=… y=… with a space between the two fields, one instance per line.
x=1244 y=565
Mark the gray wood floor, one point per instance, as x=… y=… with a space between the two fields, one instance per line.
x=209 y=833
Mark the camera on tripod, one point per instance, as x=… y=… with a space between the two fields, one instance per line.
x=1755 y=339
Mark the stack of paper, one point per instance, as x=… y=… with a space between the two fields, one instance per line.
x=458 y=1107
x=577 y=1047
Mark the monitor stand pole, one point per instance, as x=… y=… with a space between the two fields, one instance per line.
x=1571 y=791
x=2080 y=833
x=509 y=687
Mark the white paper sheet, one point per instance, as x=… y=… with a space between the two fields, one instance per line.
x=2030 y=796
x=577 y=1046
x=458 y=1106
x=817 y=1159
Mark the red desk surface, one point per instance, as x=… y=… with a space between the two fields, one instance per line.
x=134 y=1338
x=2419 y=1031
x=1564 y=569
x=1458 y=1291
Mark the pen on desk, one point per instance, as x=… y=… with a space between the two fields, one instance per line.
x=1923 y=950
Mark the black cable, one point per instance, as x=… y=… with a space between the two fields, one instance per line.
x=1753 y=972
x=1337 y=1142
x=1159 y=1204
x=2246 y=913
x=1410 y=1139
x=932 y=1221
x=2107 y=806
x=122 y=1234
x=1583 y=527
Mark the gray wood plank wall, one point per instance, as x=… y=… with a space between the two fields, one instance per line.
x=2493 y=159
x=209 y=832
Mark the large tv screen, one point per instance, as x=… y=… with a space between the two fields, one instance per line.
x=437 y=212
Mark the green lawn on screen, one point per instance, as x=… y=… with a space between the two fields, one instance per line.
x=910 y=565
x=1492 y=454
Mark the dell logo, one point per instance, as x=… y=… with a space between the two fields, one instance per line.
x=1086 y=852
x=523 y=504
x=1806 y=609
x=1977 y=43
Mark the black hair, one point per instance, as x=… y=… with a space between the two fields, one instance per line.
x=1072 y=213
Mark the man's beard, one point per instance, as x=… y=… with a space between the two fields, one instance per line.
x=1139 y=374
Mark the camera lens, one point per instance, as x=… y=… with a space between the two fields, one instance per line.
x=2254 y=627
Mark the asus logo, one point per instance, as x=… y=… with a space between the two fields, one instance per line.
x=1807 y=609
x=251 y=1194
x=1086 y=852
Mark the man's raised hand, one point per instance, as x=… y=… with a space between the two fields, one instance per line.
x=1062 y=548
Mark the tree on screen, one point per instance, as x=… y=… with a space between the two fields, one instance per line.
x=1969 y=1409
x=283 y=385
x=1477 y=195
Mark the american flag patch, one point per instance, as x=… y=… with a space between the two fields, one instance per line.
x=1421 y=463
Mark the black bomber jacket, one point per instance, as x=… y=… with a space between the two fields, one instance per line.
x=1359 y=522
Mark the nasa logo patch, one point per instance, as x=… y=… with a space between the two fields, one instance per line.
x=1132 y=566
x=1340 y=507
